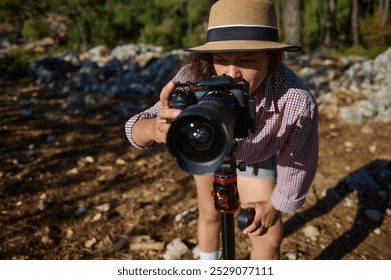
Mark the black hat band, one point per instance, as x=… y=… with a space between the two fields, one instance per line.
x=242 y=33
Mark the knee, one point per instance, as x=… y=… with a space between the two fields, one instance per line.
x=208 y=216
x=267 y=242
x=265 y=248
x=271 y=241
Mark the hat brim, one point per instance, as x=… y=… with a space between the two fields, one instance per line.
x=242 y=46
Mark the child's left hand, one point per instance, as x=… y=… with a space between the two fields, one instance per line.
x=265 y=216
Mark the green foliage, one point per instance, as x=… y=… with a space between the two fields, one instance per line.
x=313 y=15
x=344 y=22
x=357 y=51
x=13 y=66
x=167 y=4
x=374 y=35
x=74 y=38
x=170 y=23
x=100 y=29
x=34 y=29
x=316 y=20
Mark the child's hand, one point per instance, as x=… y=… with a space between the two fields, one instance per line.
x=265 y=216
x=166 y=114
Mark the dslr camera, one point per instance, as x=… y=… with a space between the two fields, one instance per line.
x=215 y=112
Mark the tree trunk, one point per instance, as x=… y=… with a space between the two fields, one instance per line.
x=319 y=23
x=381 y=7
x=355 y=23
x=293 y=21
x=331 y=24
x=384 y=13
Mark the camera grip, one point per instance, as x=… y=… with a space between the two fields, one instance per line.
x=182 y=99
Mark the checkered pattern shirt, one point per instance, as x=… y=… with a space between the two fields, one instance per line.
x=287 y=126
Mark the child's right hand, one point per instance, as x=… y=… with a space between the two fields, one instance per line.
x=166 y=114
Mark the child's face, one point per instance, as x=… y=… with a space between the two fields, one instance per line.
x=251 y=66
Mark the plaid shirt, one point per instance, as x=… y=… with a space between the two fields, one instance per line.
x=287 y=125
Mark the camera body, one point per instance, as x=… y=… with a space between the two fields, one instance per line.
x=219 y=89
x=215 y=111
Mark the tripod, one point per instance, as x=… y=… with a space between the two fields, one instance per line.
x=226 y=201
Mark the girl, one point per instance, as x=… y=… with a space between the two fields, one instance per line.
x=281 y=155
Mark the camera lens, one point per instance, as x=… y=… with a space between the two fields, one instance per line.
x=197 y=139
x=212 y=117
x=199 y=135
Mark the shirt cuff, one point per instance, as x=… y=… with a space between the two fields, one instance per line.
x=285 y=204
x=128 y=131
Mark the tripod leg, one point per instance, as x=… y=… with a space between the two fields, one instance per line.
x=226 y=199
x=228 y=236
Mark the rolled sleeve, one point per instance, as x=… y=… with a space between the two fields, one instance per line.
x=147 y=114
x=296 y=165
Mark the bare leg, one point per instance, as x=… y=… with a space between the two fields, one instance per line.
x=266 y=246
x=208 y=218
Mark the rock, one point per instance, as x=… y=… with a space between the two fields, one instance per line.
x=175 y=250
x=105 y=168
x=348 y=144
x=291 y=255
x=348 y=202
x=43 y=202
x=146 y=243
x=139 y=71
x=98 y=54
x=120 y=161
x=89 y=159
x=50 y=138
x=69 y=232
x=368 y=77
x=103 y=207
x=73 y=171
x=96 y=217
x=52 y=68
x=328 y=105
x=90 y=242
x=81 y=211
x=106 y=242
x=374 y=215
x=312 y=232
x=26 y=112
x=186 y=214
x=196 y=252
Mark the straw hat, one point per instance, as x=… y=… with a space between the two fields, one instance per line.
x=242 y=25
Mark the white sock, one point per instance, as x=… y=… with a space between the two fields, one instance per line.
x=209 y=256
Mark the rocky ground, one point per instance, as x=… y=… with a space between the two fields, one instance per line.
x=71 y=187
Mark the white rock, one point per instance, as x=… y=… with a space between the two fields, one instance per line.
x=311 y=232
x=97 y=217
x=120 y=161
x=103 y=207
x=90 y=242
x=175 y=250
x=89 y=159
x=196 y=252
